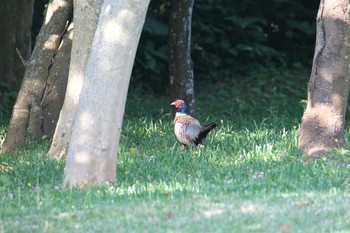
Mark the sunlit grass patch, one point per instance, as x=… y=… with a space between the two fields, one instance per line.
x=248 y=177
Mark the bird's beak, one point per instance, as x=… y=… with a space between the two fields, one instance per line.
x=173 y=103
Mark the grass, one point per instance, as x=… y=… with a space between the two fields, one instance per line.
x=249 y=177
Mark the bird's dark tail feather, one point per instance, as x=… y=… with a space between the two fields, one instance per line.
x=203 y=133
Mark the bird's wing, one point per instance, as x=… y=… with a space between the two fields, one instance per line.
x=187 y=129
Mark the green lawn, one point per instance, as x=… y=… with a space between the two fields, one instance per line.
x=249 y=177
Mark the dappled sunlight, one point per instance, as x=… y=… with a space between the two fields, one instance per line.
x=337 y=99
x=75 y=85
x=115 y=31
x=151 y=188
x=249 y=208
x=86 y=120
x=261 y=158
x=51 y=42
x=320 y=122
x=254 y=177
x=53 y=7
x=82 y=157
x=335 y=10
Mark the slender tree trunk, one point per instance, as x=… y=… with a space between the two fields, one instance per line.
x=85 y=19
x=27 y=112
x=93 y=148
x=56 y=85
x=180 y=62
x=322 y=125
x=15 y=31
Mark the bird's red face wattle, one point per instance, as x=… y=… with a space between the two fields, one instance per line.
x=178 y=103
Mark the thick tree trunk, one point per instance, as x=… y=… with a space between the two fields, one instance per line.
x=27 y=112
x=85 y=19
x=92 y=151
x=180 y=62
x=322 y=125
x=15 y=31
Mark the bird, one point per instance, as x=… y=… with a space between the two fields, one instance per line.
x=187 y=129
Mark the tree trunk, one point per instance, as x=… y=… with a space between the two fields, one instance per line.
x=322 y=125
x=15 y=31
x=27 y=112
x=180 y=62
x=92 y=151
x=56 y=85
x=85 y=19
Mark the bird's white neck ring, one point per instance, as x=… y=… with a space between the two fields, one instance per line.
x=180 y=114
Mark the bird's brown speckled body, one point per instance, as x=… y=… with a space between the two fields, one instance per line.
x=187 y=129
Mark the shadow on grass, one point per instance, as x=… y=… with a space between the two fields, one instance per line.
x=151 y=161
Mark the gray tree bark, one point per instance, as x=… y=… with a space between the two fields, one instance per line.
x=56 y=84
x=322 y=125
x=93 y=148
x=27 y=112
x=180 y=61
x=85 y=19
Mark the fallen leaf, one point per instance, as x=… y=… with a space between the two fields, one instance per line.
x=169 y=216
x=284 y=227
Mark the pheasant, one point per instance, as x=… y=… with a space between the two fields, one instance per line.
x=187 y=129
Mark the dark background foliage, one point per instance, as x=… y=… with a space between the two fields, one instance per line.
x=229 y=38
